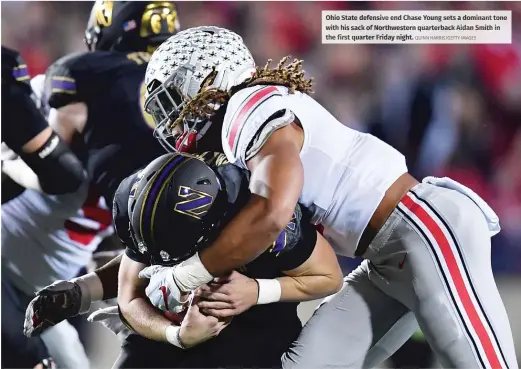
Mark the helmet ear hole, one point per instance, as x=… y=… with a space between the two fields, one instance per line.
x=203 y=182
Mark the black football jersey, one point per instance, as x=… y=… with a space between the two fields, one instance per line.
x=21 y=119
x=118 y=136
x=290 y=250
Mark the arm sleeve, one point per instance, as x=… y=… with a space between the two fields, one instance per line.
x=58 y=169
x=22 y=121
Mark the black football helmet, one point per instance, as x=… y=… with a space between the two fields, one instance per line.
x=130 y=25
x=176 y=206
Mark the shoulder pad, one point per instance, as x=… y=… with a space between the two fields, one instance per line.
x=78 y=76
x=61 y=80
x=252 y=115
x=14 y=68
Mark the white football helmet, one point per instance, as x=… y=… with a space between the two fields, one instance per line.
x=177 y=70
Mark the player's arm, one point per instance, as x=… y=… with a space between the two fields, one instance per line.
x=27 y=133
x=276 y=183
x=46 y=162
x=67 y=90
x=64 y=299
x=134 y=305
x=319 y=276
x=25 y=130
x=308 y=261
x=142 y=317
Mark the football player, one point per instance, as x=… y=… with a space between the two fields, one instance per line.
x=176 y=206
x=26 y=132
x=93 y=101
x=51 y=167
x=426 y=245
x=205 y=198
x=98 y=95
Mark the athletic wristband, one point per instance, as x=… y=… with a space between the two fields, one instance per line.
x=91 y=290
x=270 y=291
x=172 y=334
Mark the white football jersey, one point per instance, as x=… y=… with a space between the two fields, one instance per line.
x=346 y=172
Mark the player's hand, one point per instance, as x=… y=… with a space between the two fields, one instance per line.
x=53 y=304
x=228 y=296
x=162 y=291
x=197 y=328
x=110 y=319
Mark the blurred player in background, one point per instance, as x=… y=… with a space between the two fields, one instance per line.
x=32 y=156
x=426 y=245
x=89 y=98
x=98 y=95
x=55 y=170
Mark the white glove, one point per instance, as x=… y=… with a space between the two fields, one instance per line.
x=109 y=318
x=162 y=291
x=53 y=304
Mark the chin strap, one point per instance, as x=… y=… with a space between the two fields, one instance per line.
x=186 y=141
x=189 y=138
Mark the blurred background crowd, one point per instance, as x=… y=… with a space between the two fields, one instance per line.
x=453 y=110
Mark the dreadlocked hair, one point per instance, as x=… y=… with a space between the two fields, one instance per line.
x=202 y=106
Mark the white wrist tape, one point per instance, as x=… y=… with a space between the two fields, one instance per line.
x=270 y=291
x=91 y=290
x=191 y=274
x=172 y=336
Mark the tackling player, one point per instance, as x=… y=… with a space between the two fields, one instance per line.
x=26 y=132
x=426 y=245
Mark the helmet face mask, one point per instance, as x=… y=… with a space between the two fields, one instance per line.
x=165 y=105
x=180 y=68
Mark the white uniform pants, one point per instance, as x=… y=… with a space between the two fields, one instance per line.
x=429 y=265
